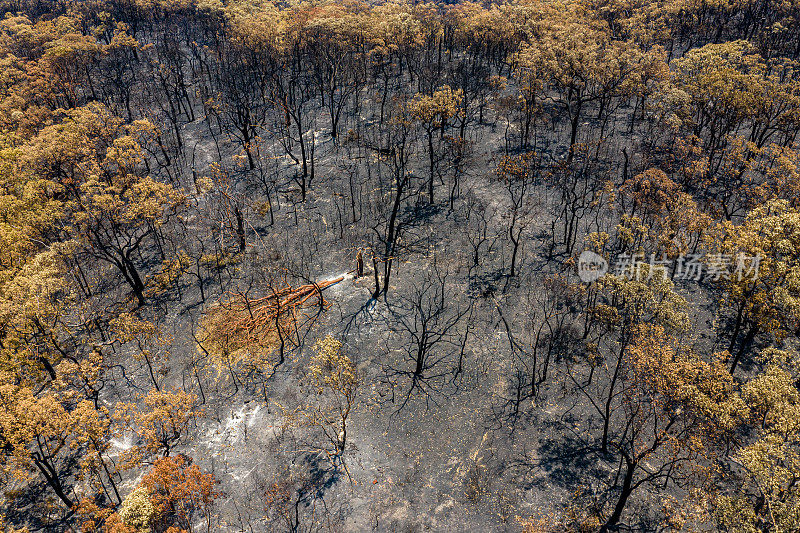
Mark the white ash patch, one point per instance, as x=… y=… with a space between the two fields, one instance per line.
x=119 y=446
x=234 y=427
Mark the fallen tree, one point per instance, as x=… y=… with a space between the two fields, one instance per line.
x=251 y=334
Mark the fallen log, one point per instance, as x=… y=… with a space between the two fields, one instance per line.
x=239 y=327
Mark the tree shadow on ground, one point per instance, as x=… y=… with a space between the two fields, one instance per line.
x=562 y=460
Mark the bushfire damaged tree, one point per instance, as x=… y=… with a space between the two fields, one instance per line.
x=619 y=307
x=540 y=337
x=586 y=66
x=333 y=376
x=93 y=163
x=187 y=177
x=433 y=113
x=292 y=497
x=760 y=295
x=673 y=415
x=517 y=176
x=426 y=321
x=174 y=495
x=244 y=334
x=764 y=465
x=393 y=220
x=578 y=188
